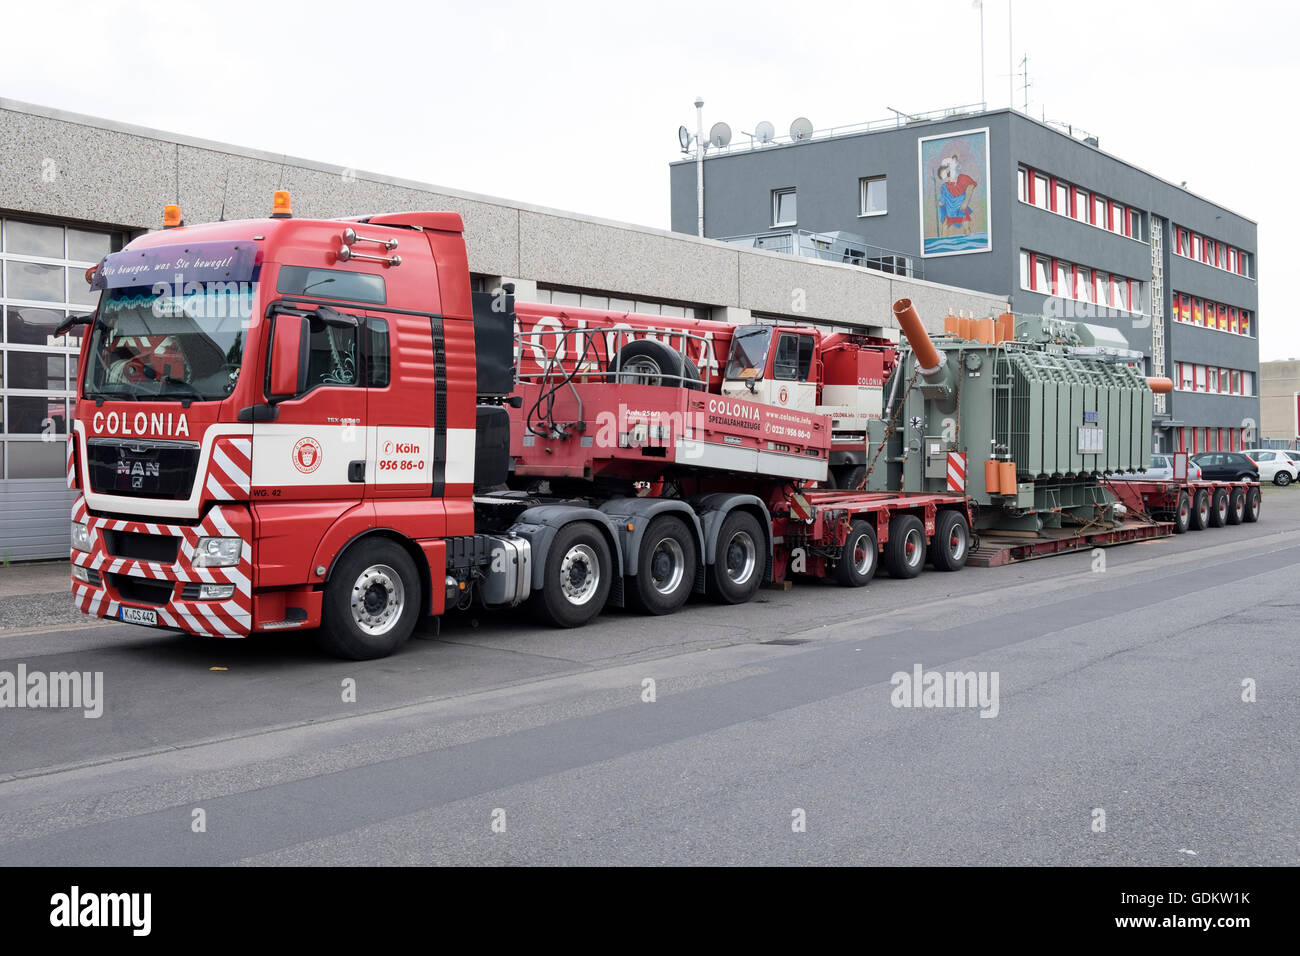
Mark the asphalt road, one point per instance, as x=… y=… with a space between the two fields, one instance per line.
x=1119 y=691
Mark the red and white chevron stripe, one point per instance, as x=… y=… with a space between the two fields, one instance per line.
x=230 y=471
x=72 y=460
x=956 y=471
x=229 y=618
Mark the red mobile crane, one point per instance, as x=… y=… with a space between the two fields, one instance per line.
x=289 y=424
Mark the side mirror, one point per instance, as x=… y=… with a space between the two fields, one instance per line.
x=289 y=354
x=335 y=318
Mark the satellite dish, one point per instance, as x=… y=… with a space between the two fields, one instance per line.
x=720 y=135
x=801 y=128
x=765 y=132
x=684 y=137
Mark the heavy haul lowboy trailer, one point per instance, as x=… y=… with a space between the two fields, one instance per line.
x=289 y=424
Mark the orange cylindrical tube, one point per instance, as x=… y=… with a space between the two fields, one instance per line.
x=967 y=332
x=991 y=476
x=1006 y=327
x=1007 y=477
x=926 y=354
x=983 y=331
x=1161 y=386
x=951 y=325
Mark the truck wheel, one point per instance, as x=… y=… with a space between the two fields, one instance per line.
x=951 y=543
x=857 y=563
x=1236 y=505
x=905 y=549
x=576 y=578
x=1219 y=509
x=848 y=477
x=1253 y=500
x=1201 y=510
x=1182 y=514
x=647 y=362
x=666 y=567
x=370 y=602
x=1282 y=479
x=738 y=560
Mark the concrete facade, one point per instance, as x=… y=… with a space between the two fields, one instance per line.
x=94 y=177
x=1279 y=383
x=826 y=173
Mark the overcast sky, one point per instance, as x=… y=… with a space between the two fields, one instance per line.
x=576 y=105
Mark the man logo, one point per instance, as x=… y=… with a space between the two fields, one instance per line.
x=306 y=455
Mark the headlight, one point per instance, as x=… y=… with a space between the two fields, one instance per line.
x=217 y=552
x=80 y=536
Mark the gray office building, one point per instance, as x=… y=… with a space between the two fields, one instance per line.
x=1039 y=214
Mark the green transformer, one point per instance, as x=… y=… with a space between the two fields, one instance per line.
x=1027 y=426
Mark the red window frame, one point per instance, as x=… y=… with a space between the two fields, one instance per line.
x=1182 y=440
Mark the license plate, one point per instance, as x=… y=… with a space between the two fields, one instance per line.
x=138 y=615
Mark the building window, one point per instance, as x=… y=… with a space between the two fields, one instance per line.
x=1041 y=194
x=783 y=207
x=1022 y=184
x=1082 y=203
x=873 y=196
x=1099 y=212
x=1041 y=277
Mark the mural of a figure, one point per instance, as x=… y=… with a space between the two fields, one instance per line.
x=953 y=190
x=953 y=183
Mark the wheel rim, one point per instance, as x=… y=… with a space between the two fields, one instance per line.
x=642 y=370
x=913 y=547
x=1239 y=507
x=667 y=566
x=1203 y=509
x=1222 y=507
x=378 y=599
x=579 y=574
x=957 y=542
x=863 y=556
x=742 y=557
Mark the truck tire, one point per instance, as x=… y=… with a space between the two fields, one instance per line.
x=1254 y=498
x=576 y=578
x=905 y=549
x=1182 y=514
x=859 y=556
x=1201 y=509
x=665 y=567
x=1236 y=506
x=950 y=546
x=371 y=601
x=648 y=362
x=1219 y=508
x=848 y=477
x=738 y=560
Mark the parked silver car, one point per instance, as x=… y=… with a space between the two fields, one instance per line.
x=1162 y=469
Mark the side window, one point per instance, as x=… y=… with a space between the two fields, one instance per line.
x=785 y=366
x=333 y=358
x=805 y=357
x=377 y=355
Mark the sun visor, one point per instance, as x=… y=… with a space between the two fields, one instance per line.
x=174 y=266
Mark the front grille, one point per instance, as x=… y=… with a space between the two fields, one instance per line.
x=144 y=469
x=159 y=548
x=141 y=590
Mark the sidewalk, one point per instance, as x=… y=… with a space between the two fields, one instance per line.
x=36 y=596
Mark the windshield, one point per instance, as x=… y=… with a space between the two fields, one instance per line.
x=748 y=355
x=155 y=345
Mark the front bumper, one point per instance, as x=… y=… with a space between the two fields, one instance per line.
x=127 y=578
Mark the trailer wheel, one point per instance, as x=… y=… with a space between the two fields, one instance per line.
x=950 y=546
x=371 y=601
x=666 y=567
x=1182 y=514
x=858 y=558
x=648 y=362
x=1254 y=498
x=1236 y=506
x=738 y=562
x=1201 y=510
x=576 y=578
x=1219 y=508
x=905 y=549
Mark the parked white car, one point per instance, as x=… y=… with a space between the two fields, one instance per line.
x=1162 y=469
x=1274 y=466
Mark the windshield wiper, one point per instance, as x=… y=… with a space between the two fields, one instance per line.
x=121 y=392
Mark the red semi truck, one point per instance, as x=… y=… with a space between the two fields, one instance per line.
x=289 y=424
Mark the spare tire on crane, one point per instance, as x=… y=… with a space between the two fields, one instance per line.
x=649 y=362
